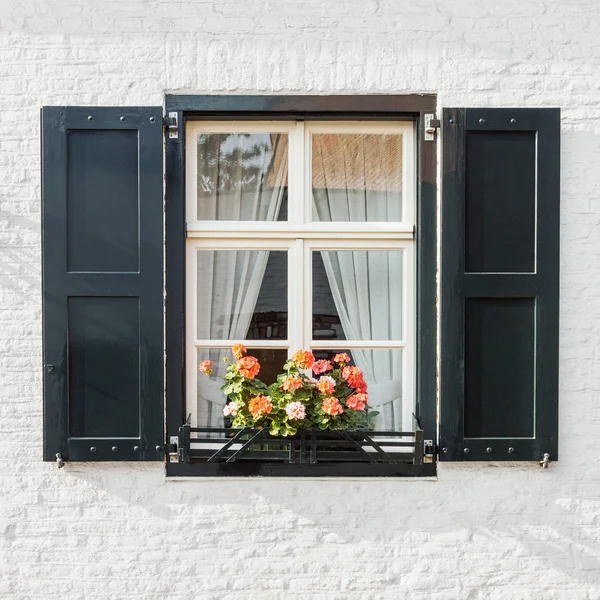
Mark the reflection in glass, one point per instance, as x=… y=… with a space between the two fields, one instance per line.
x=210 y=399
x=357 y=177
x=357 y=294
x=382 y=368
x=241 y=176
x=242 y=294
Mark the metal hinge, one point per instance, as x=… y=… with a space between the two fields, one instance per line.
x=171 y=448
x=172 y=124
x=431 y=126
x=429 y=450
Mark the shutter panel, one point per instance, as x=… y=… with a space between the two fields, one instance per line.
x=102 y=238
x=500 y=284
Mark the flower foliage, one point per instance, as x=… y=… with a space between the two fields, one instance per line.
x=302 y=396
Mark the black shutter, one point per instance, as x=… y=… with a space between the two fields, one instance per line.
x=500 y=284
x=102 y=206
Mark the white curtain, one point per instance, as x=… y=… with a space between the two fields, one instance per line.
x=248 y=185
x=357 y=178
x=367 y=291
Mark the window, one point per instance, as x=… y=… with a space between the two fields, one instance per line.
x=301 y=221
x=300 y=234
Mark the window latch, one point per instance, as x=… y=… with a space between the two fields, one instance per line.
x=172 y=124
x=431 y=126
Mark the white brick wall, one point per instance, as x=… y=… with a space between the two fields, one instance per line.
x=121 y=531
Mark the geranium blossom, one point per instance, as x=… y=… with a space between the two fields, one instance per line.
x=260 y=405
x=238 y=351
x=206 y=367
x=321 y=366
x=231 y=408
x=291 y=383
x=295 y=410
x=354 y=377
x=357 y=401
x=341 y=358
x=326 y=385
x=248 y=367
x=331 y=406
x=304 y=359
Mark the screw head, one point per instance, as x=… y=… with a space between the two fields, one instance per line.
x=114 y=449
x=513 y=121
x=445 y=450
x=158 y=448
x=136 y=448
x=511 y=450
x=90 y=118
x=451 y=121
x=93 y=449
x=482 y=121
x=488 y=450
x=152 y=119
x=121 y=118
x=466 y=451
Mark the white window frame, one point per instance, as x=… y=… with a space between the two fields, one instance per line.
x=299 y=236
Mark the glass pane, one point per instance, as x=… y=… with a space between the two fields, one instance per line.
x=242 y=294
x=242 y=176
x=382 y=369
x=357 y=295
x=357 y=177
x=210 y=399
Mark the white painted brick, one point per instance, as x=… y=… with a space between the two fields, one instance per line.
x=480 y=532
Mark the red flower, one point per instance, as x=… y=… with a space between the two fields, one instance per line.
x=331 y=406
x=357 y=401
x=354 y=377
x=260 y=405
x=291 y=383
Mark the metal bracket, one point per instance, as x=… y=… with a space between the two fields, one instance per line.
x=431 y=126
x=172 y=124
x=429 y=448
x=59 y=460
x=545 y=461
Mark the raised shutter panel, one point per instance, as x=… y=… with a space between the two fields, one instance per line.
x=102 y=264
x=500 y=284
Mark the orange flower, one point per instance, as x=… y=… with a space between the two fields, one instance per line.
x=354 y=377
x=321 y=366
x=260 y=405
x=341 y=358
x=238 y=351
x=248 y=367
x=291 y=383
x=326 y=385
x=357 y=401
x=206 y=367
x=304 y=359
x=331 y=406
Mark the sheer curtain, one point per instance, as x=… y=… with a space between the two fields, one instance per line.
x=357 y=177
x=241 y=177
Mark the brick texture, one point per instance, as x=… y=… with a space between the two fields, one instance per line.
x=485 y=531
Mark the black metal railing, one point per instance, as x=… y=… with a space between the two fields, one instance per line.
x=308 y=446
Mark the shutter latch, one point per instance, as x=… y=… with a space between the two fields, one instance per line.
x=172 y=124
x=59 y=460
x=545 y=461
x=431 y=126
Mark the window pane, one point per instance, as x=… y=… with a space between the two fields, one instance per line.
x=242 y=176
x=242 y=294
x=357 y=294
x=210 y=399
x=382 y=369
x=357 y=177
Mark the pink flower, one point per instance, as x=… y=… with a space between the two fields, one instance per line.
x=326 y=385
x=357 y=401
x=206 y=367
x=331 y=406
x=295 y=410
x=231 y=408
x=291 y=383
x=322 y=366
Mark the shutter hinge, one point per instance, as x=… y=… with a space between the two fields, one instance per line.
x=172 y=124
x=431 y=126
x=171 y=448
x=429 y=450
